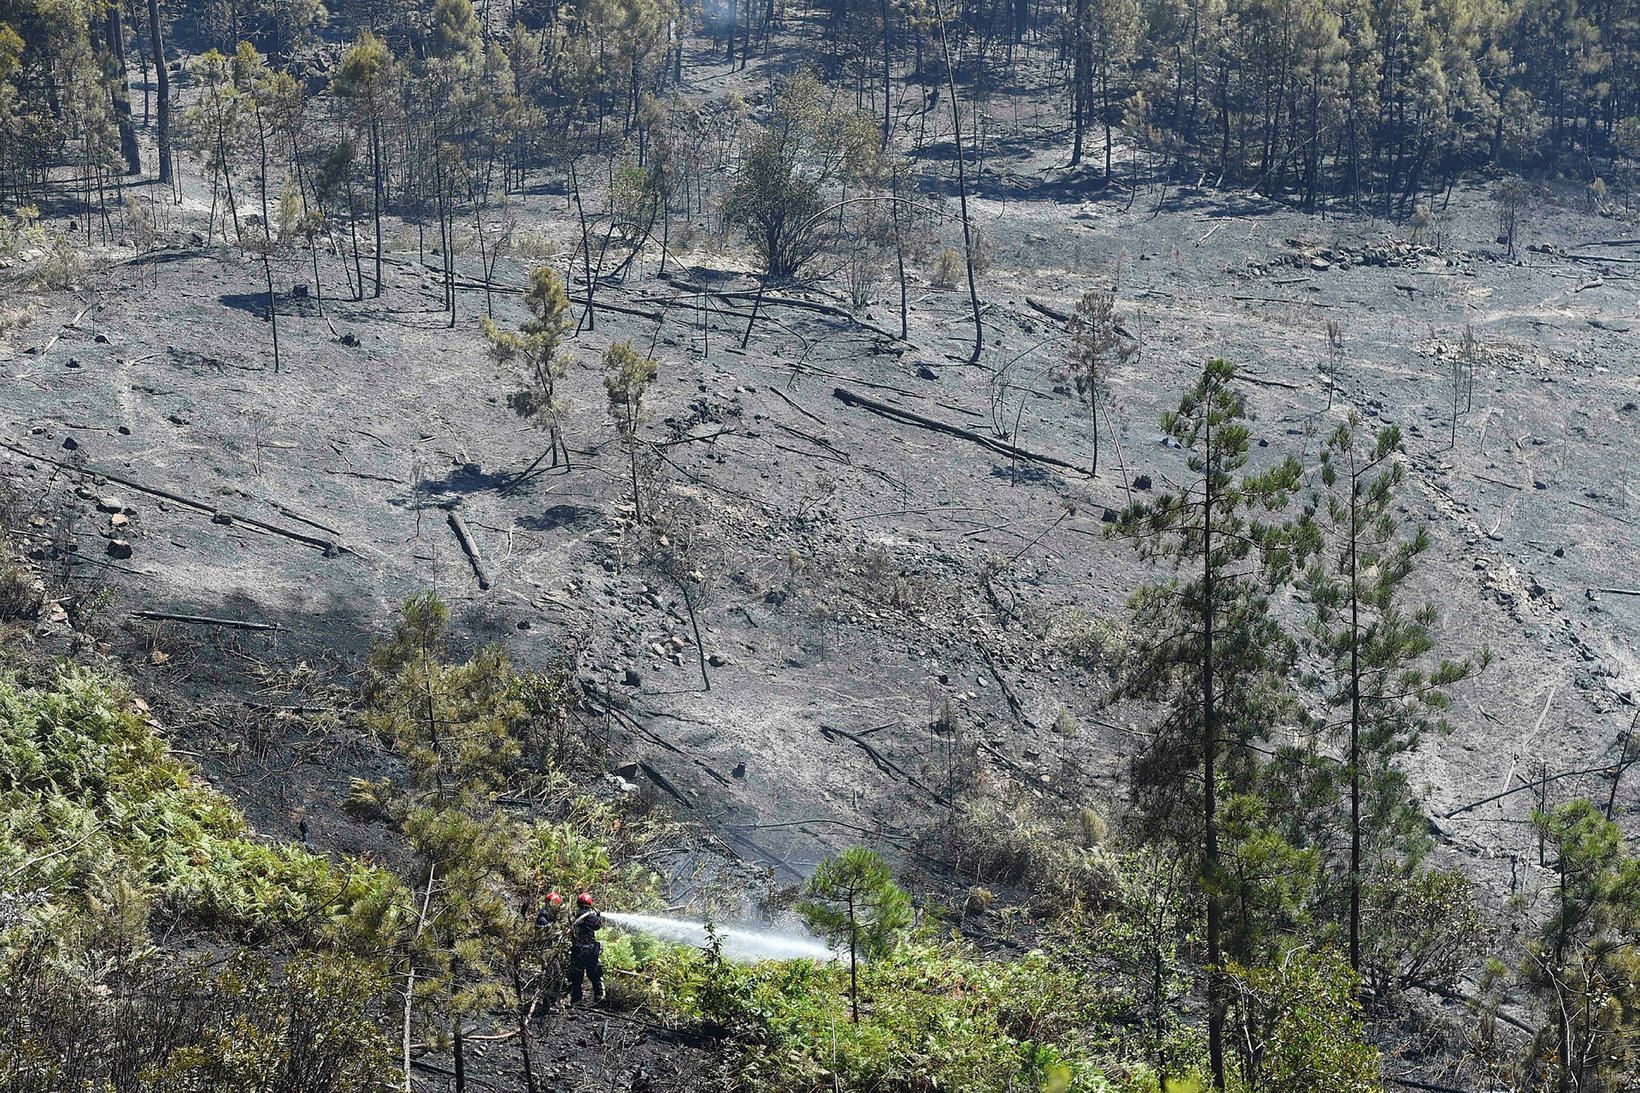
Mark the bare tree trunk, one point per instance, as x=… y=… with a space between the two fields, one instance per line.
x=376 y=204
x=267 y=239
x=410 y=974
x=119 y=87
x=156 y=45
x=962 y=183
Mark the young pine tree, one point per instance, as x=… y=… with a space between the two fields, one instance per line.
x=535 y=346
x=1213 y=655
x=1374 y=653
x=1585 y=964
x=853 y=898
x=453 y=723
x=627 y=376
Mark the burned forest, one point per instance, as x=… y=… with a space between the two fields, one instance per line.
x=700 y=546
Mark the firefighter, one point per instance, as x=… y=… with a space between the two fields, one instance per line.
x=585 y=950
x=550 y=907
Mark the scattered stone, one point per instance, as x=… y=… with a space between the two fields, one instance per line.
x=70 y=444
x=1320 y=264
x=119 y=549
x=118 y=520
x=101 y=339
x=222 y=518
x=110 y=504
x=631 y=679
x=717 y=660
x=73 y=362
x=350 y=339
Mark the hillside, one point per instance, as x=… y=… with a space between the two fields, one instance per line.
x=836 y=581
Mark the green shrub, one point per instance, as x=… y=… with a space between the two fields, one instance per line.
x=1296 y=1026
x=940 y=1018
x=91 y=798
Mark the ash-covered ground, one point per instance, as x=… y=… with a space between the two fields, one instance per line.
x=875 y=599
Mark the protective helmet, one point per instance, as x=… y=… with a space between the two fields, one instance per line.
x=584 y=899
x=554 y=898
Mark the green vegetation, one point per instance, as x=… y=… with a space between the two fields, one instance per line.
x=852 y=899
x=108 y=843
x=940 y=1017
x=1264 y=905
x=92 y=804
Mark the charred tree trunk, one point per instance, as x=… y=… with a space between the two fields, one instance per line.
x=156 y=45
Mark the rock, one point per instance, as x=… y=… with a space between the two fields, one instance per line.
x=739 y=771
x=717 y=660
x=631 y=678
x=73 y=362
x=70 y=444
x=101 y=339
x=1320 y=264
x=299 y=291
x=350 y=339
x=222 y=518
x=110 y=504
x=119 y=549
x=118 y=520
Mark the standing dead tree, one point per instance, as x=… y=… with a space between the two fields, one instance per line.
x=1097 y=343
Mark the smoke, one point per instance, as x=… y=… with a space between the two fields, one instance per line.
x=739 y=944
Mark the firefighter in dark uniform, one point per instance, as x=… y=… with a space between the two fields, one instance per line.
x=585 y=950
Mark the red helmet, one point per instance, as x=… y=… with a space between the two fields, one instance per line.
x=554 y=898
x=584 y=899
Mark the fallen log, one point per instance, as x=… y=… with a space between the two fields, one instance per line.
x=665 y=783
x=882 y=762
x=788 y=301
x=470 y=546
x=908 y=417
x=1065 y=317
x=1265 y=381
x=1051 y=312
x=1279 y=300
x=1600 y=258
x=326 y=546
x=204 y=620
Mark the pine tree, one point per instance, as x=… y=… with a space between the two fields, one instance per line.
x=536 y=347
x=365 y=80
x=1212 y=651
x=1585 y=963
x=1374 y=652
x=627 y=376
x=853 y=898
